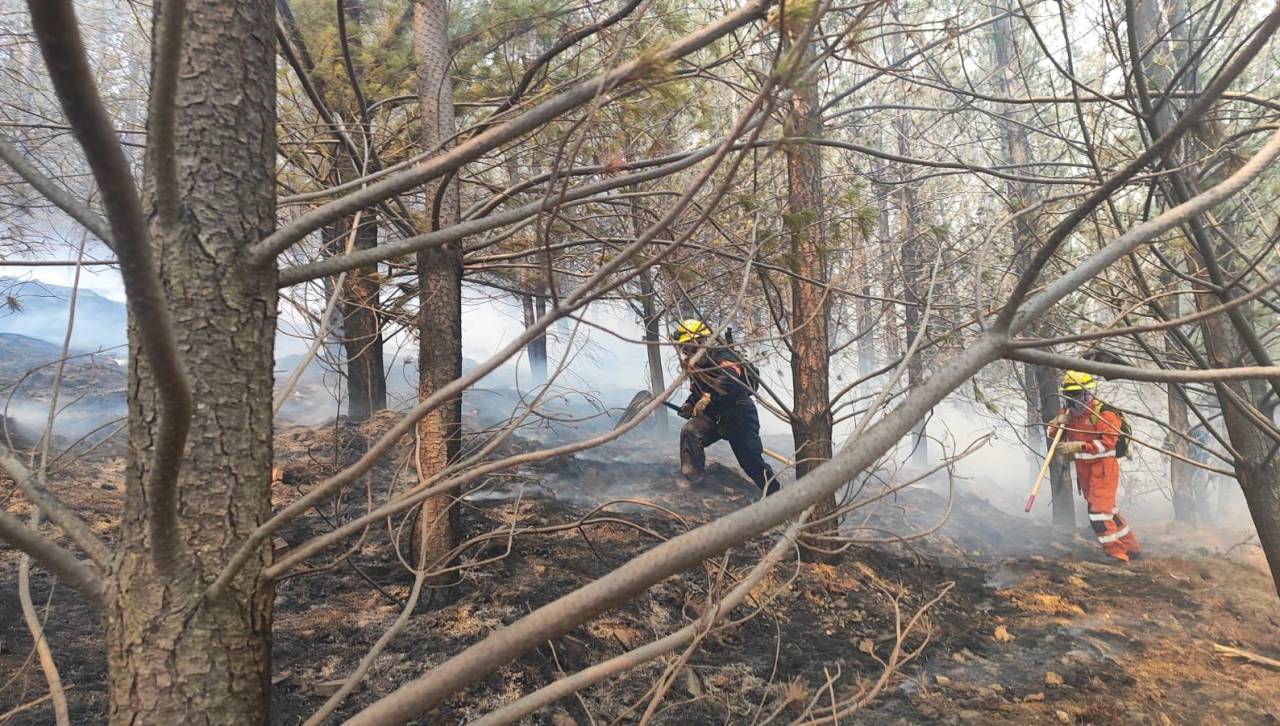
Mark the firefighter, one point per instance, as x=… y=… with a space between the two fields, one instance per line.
x=719 y=407
x=1092 y=432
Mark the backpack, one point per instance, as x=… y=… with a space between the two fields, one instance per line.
x=1126 y=431
x=750 y=373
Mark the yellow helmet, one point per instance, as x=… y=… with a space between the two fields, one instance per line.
x=689 y=330
x=1078 y=381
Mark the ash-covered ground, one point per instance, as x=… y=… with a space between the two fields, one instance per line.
x=1033 y=625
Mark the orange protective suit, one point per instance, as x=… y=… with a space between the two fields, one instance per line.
x=1098 y=475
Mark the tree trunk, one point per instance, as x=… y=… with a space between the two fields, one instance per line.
x=653 y=346
x=1158 y=69
x=361 y=319
x=362 y=331
x=862 y=306
x=891 y=337
x=1040 y=384
x=1064 y=507
x=359 y=326
x=652 y=319
x=810 y=304
x=538 y=346
x=171 y=657
x=913 y=277
x=440 y=297
x=1230 y=338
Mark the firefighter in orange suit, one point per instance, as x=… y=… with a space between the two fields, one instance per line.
x=1092 y=431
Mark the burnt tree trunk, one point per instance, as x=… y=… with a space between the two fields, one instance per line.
x=440 y=296
x=810 y=353
x=173 y=657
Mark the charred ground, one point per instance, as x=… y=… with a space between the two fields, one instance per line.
x=1033 y=627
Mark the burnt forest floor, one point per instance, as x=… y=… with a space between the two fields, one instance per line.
x=1032 y=626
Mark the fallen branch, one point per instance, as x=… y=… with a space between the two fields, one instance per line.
x=1229 y=652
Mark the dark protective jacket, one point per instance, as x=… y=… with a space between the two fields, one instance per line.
x=720 y=373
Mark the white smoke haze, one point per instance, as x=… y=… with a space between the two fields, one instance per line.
x=606 y=365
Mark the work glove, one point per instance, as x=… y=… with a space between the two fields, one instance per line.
x=685 y=410
x=1060 y=420
x=701 y=404
x=1068 y=449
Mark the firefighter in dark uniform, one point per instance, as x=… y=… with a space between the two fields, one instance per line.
x=719 y=407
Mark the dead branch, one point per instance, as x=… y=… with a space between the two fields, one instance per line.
x=81 y=575
x=568 y=685
x=36 y=628
x=58 y=33
x=48 y=188
x=1229 y=652
x=439 y=164
x=689 y=549
x=161 y=110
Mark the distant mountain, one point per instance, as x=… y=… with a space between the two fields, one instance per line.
x=19 y=353
x=87 y=374
x=39 y=310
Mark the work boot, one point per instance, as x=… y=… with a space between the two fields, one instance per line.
x=1134 y=556
x=690 y=474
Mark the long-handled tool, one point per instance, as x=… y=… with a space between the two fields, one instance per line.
x=1048 y=458
x=644 y=398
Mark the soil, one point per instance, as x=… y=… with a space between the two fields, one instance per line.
x=1033 y=625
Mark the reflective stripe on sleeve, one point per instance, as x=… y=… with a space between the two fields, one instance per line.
x=1099 y=517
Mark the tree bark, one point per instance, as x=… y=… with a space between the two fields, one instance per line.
x=361 y=318
x=360 y=327
x=653 y=346
x=1230 y=338
x=440 y=296
x=1040 y=384
x=912 y=267
x=173 y=658
x=362 y=330
x=811 y=421
x=652 y=319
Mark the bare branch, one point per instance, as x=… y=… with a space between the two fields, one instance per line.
x=1228 y=73
x=586 y=193
x=58 y=32
x=58 y=513
x=687 y=550
x=161 y=112
x=45 y=654
x=54 y=193
x=1154 y=375
x=470 y=150
x=82 y=576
